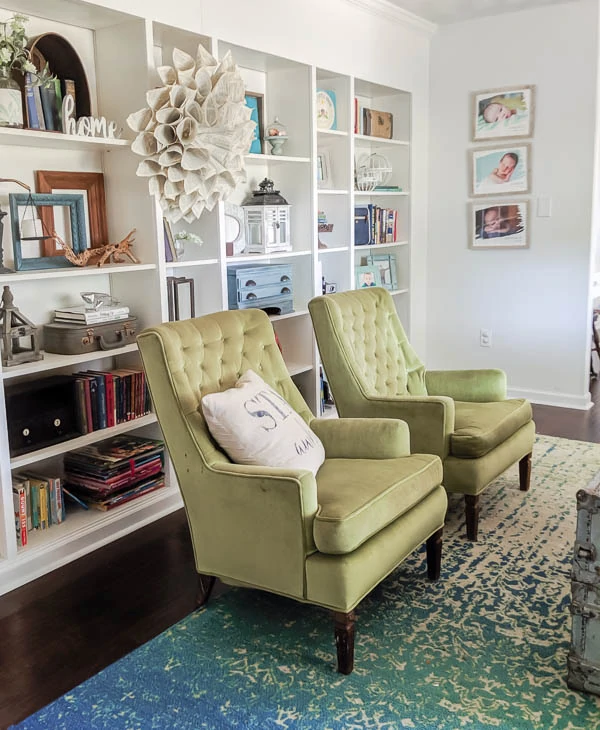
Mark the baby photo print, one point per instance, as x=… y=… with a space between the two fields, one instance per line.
x=500 y=170
x=499 y=224
x=503 y=113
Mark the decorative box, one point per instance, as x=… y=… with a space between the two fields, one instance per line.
x=268 y=287
x=76 y=339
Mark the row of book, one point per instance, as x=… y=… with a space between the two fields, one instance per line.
x=105 y=398
x=103 y=476
x=38 y=502
x=373 y=225
x=43 y=103
x=115 y=471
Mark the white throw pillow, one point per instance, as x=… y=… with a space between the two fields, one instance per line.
x=253 y=424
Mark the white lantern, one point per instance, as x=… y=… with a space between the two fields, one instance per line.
x=267 y=220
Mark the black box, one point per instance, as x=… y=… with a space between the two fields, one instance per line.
x=40 y=413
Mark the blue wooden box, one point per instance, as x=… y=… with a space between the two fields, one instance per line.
x=268 y=287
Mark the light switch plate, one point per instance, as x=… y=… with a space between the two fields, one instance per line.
x=544 y=207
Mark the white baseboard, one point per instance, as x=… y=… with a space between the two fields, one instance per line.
x=560 y=400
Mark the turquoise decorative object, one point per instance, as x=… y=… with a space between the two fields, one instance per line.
x=20 y=201
x=276 y=136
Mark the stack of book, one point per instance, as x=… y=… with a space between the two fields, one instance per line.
x=83 y=316
x=105 y=398
x=43 y=102
x=373 y=225
x=115 y=471
x=38 y=503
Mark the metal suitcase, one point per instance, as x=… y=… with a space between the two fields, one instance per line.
x=77 y=339
x=583 y=662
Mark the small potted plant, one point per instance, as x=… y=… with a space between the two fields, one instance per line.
x=14 y=56
x=180 y=239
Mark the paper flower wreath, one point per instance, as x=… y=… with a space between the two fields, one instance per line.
x=193 y=134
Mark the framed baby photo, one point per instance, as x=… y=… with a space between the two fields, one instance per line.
x=366 y=276
x=499 y=224
x=501 y=170
x=386 y=263
x=503 y=113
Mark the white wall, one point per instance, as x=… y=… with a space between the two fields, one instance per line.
x=534 y=300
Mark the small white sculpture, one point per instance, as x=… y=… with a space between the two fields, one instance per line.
x=85 y=126
x=193 y=134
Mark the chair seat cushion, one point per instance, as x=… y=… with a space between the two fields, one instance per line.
x=359 y=497
x=480 y=427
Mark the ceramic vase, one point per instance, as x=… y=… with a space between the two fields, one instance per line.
x=11 y=100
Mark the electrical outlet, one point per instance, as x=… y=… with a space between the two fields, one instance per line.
x=485 y=338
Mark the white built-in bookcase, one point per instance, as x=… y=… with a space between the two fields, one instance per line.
x=120 y=53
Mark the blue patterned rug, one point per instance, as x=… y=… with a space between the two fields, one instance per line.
x=485 y=647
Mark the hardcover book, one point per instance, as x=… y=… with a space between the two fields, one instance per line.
x=378 y=124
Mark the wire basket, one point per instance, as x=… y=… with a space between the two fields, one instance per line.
x=365 y=180
x=378 y=167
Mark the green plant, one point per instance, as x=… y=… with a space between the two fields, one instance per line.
x=14 y=53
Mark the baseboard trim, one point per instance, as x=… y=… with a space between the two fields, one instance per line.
x=560 y=400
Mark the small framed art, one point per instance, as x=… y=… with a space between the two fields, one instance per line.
x=502 y=113
x=256 y=104
x=501 y=224
x=324 y=171
x=326 y=109
x=366 y=276
x=386 y=263
x=91 y=186
x=30 y=235
x=501 y=170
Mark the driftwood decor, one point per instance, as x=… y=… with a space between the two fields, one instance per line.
x=193 y=134
x=110 y=253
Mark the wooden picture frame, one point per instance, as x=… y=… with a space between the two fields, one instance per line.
x=92 y=185
x=499 y=224
x=175 y=305
x=503 y=113
x=38 y=201
x=256 y=103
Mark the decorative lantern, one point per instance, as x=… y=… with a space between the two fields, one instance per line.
x=15 y=328
x=267 y=220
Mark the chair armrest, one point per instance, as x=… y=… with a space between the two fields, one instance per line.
x=476 y=386
x=362 y=438
x=430 y=419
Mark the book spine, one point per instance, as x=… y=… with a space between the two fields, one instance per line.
x=58 y=103
x=37 y=96
x=81 y=415
x=68 y=87
x=32 y=117
x=49 y=106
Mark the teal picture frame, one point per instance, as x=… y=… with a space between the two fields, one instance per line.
x=255 y=103
x=386 y=263
x=78 y=243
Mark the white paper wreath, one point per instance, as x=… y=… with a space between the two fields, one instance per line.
x=193 y=134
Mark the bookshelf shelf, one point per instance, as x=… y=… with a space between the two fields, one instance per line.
x=53 y=361
x=396 y=292
x=19 y=276
x=333 y=249
x=58 y=140
x=383 y=245
x=41 y=454
x=332 y=132
x=277 y=159
x=381 y=193
x=196 y=262
x=325 y=191
x=250 y=258
x=297 y=368
x=377 y=141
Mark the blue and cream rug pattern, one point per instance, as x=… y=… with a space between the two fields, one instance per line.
x=484 y=647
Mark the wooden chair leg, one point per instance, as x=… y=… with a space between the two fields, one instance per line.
x=525 y=473
x=472 y=515
x=344 y=640
x=434 y=554
x=205 y=585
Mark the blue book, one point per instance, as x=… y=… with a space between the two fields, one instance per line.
x=32 y=114
x=100 y=398
x=48 y=95
x=362 y=225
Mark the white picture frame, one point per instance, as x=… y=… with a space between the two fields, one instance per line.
x=324 y=170
x=499 y=224
x=503 y=113
x=500 y=170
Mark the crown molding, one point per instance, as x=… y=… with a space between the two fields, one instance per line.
x=389 y=11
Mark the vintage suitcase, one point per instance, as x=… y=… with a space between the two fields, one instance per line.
x=583 y=662
x=75 y=339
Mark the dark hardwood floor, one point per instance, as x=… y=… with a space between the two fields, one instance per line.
x=66 y=626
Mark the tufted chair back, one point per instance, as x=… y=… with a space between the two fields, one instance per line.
x=360 y=334
x=186 y=360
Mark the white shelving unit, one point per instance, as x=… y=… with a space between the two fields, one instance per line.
x=102 y=38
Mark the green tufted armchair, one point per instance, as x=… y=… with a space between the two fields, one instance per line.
x=463 y=416
x=327 y=540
